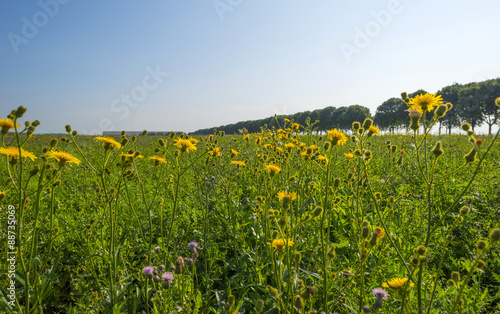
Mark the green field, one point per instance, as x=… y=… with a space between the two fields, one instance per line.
x=304 y=222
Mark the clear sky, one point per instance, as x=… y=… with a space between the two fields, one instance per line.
x=186 y=65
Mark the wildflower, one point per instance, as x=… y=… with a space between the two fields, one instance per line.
x=215 y=152
x=167 y=279
x=179 y=265
x=273 y=169
x=286 y=198
x=289 y=146
x=380 y=293
x=192 y=245
x=349 y=155
x=63 y=158
x=185 y=145
x=373 y=130
x=148 y=271
x=378 y=234
x=397 y=283
x=415 y=115
x=425 y=102
x=238 y=163
x=322 y=159
x=158 y=160
x=6 y=125
x=279 y=244
x=131 y=156
x=234 y=153
x=13 y=153
x=108 y=142
x=3 y=195
x=366 y=309
x=479 y=143
x=337 y=137
x=295 y=126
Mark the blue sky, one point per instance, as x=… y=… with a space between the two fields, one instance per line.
x=186 y=65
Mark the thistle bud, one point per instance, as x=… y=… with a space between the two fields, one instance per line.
x=331 y=252
x=144 y=133
x=441 y=111
x=438 y=149
x=450 y=283
x=299 y=303
x=479 y=143
x=307 y=293
x=465 y=127
x=421 y=250
x=394 y=148
x=259 y=306
x=356 y=125
x=455 y=276
x=471 y=156
x=336 y=182
x=404 y=95
x=495 y=234
x=481 y=264
x=35 y=123
x=74 y=133
x=20 y=111
x=365 y=232
x=415 y=116
x=317 y=211
x=482 y=245
x=297 y=258
x=367 y=123
x=464 y=210
x=272 y=291
x=449 y=105
x=68 y=128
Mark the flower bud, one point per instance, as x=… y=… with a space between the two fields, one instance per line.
x=465 y=126
x=367 y=123
x=464 y=210
x=438 y=149
x=482 y=245
x=68 y=128
x=455 y=276
x=495 y=234
x=441 y=111
x=259 y=306
x=20 y=111
x=471 y=156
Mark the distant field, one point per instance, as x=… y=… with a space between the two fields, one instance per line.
x=280 y=221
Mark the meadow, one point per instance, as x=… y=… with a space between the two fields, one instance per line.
x=285 y=220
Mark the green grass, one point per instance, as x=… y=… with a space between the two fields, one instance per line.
x=84 y=242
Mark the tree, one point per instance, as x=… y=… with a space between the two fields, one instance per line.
x=391 y=114
x=470 y=106
x=450 y=94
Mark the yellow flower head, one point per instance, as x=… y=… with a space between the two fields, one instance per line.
x=109 y=142
x=415 y=113
x=246 y=137
x=133 y=156
x=184 y=145
x=6 y=125
x=238 y=163
x=425 y=102
x=158 y=160
x=281 y=243
x=295 y=126
x=13 y=153
x=397 y=283
x=337 y=137
x=379 y=232
x=215 y=152
x=349 y=155
x=289 y=146
x=322 y=159
x=273 y=169
x=193 y=140
x=63 y=157
x=234 y=153
x=287 y=197
x=373 y=130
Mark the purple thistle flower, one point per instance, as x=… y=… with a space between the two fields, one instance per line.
x=192 y=245
x=168 y=277
x=148 y=271
x=380 y=293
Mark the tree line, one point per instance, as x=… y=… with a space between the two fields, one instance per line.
x=472 y=102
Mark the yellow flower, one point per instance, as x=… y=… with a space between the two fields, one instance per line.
x=184 y=145
x=425 y=102
x=215 y=152
x=6 y=125
x=349 y=156
x=289 y=146
x=287 y=120
x=272 y=169
x=13 y=152
x=322 y=159
x=63 y=157
x=281 y=243
x=108 y=142
x=234 y=153
x=238 y=163
x=258 y=140
x=295 y=126
x=397 y=283
x=246 y=137
x=287 y=197
x=158 y=160
x=193 y=140
x=373 y=130
x=379 y=232
x=337 y=137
